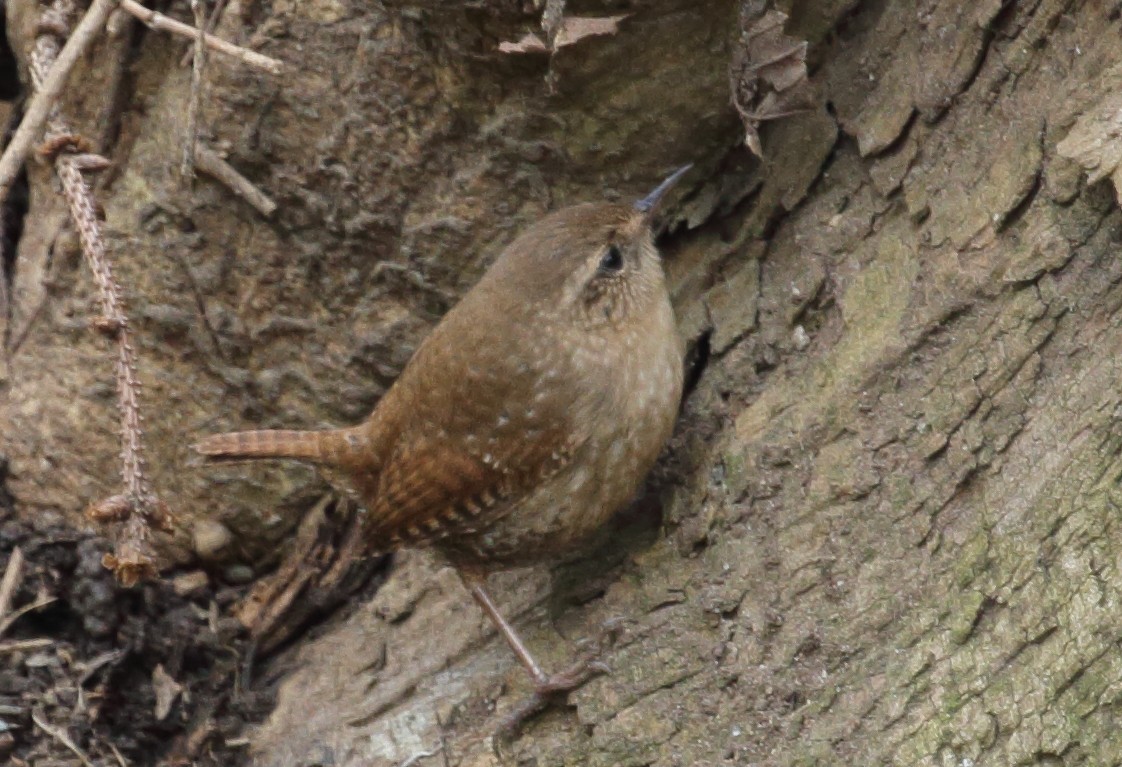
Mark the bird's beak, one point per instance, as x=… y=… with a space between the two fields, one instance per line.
x=650 y=202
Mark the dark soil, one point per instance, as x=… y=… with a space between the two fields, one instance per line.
x=85 y=665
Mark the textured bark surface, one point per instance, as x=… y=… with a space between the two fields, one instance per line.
x=889 y=514
x=404 y=151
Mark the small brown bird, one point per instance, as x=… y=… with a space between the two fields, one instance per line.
x=528 y=416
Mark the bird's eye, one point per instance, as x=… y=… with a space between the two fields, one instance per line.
x=612 y=260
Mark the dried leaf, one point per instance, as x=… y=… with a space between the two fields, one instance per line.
x=569 y=31
x=159 y=515
x=752 y=140
x=134 y=559
x=115 y=508
x=768 y=74
x=166 y=689
x=530 y=43
x=576 y=28
x=787 y=70
x=130 y=566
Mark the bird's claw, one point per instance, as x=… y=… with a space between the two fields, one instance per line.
x=548 y=687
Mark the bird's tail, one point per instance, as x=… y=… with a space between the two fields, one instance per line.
x=334 y=447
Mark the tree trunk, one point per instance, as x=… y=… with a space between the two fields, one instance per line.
x=888 y=512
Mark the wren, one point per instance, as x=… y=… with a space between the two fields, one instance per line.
x=529 y=415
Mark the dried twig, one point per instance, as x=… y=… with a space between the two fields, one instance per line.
x=91 y=667
x=210 y=163
x=15 y=615
x=211 y=23
x=162 y=23
x=115 y=105
x=60 y=735
x=134 y=557
x=8 y=586
x=84 y=214
x=47 y=93
x=4 y=314
x=12 y=574
x=118 y=755
x=23 y=645
x=191 y=137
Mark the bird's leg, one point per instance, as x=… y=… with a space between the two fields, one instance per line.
x=545 y=685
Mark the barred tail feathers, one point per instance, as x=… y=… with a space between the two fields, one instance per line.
x=334 y=447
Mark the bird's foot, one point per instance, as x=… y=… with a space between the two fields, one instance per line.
x=546 y=690
x=548 y=686
x=571 y=678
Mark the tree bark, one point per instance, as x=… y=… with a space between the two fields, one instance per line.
x=888 y=513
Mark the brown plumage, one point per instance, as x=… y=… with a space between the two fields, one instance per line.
x=528 y=416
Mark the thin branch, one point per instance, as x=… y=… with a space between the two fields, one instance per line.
x=115 y=104
x=12 y=575
x=114 y=322
x=89 y=668
x=84 y=214
x=133 y=465
x=119 y=756
x=16 y=615
x=5 y=315
x=39 y=107
x=20 y=335
x=23 y=645
x=162 y=23
x=134 y=557
x=211 y=23
x=60 y=735
x=208 y=161
x=191 y=137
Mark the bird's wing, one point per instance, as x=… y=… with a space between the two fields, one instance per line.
x=474 y=431
x=433 y=488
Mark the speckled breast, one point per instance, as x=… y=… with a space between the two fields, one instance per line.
x=629 y=429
